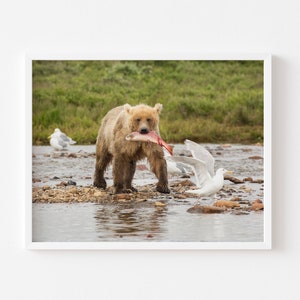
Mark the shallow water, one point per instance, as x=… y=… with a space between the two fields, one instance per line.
x=89 y=222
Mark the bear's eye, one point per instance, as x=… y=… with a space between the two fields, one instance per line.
x=138 y=120
x=149 y=120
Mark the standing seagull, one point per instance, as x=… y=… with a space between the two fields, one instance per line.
x=59 y=140
x=202 y=164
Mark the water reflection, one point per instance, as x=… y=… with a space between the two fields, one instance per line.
x=88 y=222
x=129 y=221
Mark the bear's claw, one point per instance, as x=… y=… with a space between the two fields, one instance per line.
x=125 y=191
x=100 y=185
x=163 y=189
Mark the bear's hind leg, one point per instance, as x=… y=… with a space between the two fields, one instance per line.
x=102 y=162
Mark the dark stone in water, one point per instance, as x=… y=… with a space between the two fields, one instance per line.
x=71 y=182
x=233 y=179
x=258 y=181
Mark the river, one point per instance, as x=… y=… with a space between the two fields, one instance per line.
x=98 y=222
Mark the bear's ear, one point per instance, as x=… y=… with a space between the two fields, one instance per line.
x=158 y=107
x=127 y=108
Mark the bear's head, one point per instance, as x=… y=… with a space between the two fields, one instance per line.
x=143 y=118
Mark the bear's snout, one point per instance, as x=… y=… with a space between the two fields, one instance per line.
x=144 y=130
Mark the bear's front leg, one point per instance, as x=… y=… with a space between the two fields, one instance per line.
x=159 y=168
x=123 y=171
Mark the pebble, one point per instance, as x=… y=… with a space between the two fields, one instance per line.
x=258 y=181
x=73 y=190
x=187 y=182
x=244 y=202
x=233 y=179
x=141 y=200
x=122 y=197
x=180 y=196
x=226 y=204
x=98 y=193
x=62 y=183
x=46 y=187
x=257 y=205
x=198 y=209
x=238 y=199
x=257 y=201
x=255 y=157
x=71 y=182
x=248 y=179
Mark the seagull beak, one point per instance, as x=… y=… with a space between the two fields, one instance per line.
x=229 y=172
x=49 y=137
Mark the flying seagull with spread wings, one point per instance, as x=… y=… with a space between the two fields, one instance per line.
x=202 y=163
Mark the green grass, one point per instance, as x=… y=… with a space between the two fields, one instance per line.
x=207 y=101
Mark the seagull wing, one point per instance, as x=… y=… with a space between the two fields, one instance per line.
x=64 y=137
x=62 y=143
x=57 y=143
x=201 y=153
x=199 y=167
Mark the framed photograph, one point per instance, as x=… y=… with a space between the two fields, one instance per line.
x=148 y=152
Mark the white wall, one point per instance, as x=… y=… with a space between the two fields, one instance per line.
x=134 y=26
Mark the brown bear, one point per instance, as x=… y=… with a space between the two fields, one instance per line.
x=112 y=146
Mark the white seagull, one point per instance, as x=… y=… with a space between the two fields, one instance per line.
x=202 y=164
x=59 y=140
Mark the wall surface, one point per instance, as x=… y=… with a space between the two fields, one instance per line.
x=157 y=26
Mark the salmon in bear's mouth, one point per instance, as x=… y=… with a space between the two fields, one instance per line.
x=149 y=137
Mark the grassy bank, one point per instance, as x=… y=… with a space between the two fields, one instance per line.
x=207 y=101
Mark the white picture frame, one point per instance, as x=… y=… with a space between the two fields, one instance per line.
x=266 y=244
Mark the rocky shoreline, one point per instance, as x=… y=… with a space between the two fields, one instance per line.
x=232 y=198
x=65 y=177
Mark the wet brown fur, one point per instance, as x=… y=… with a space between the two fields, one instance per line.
x=112 y=146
